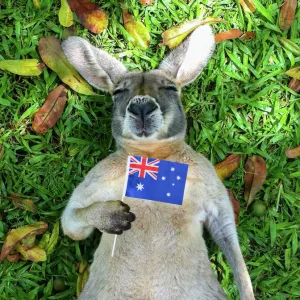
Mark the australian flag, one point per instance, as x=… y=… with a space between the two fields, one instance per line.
x=155 y=179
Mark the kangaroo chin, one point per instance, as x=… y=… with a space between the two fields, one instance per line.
x=160 y=253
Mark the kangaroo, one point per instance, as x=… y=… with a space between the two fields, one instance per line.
x=160 y=252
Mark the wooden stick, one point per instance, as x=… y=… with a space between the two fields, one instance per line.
x=123 y=196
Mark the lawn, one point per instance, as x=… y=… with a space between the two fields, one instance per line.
x=239 y=104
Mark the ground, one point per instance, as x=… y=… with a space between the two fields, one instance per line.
x=239 y=104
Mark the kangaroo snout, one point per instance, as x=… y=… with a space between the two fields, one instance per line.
x=142 y=107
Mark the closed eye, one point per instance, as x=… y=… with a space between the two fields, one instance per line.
x=119 y=91
x=169 y=88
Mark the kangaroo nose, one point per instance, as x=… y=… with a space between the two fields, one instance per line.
x=141 y=110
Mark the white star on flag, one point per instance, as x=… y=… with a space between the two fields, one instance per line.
x=168 y=194
x=173 y=184
x=178 y=178
x=140 y=187
x=163 y=178
x=172 y=169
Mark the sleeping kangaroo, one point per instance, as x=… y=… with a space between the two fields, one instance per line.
x=163 y=255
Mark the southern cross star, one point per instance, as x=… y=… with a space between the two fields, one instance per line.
x=140 y=187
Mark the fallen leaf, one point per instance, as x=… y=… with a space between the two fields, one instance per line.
x=90 y=15
x=225 y=168
x=50 y=112
x=255 y=176
x=293 y=85
x=295 y=73
x=174 y=36
x=236 y=206
x=20 y=202
x=137 y=30
x=28 y=241
x=59 y=284
x=249 y=35
x=53 y=56
x=37 y=4
x=228 y=35
x=248 y=5
x=23 y=67
x=289 y=45
x=65 y=15
x=16 y=235
x=82 y=277
x=13 y=257
x=287 y=14
x=147 y=2
x=34 y=254
x=53 y=239
x=292 y=153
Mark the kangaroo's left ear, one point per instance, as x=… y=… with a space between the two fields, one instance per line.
x=186 y=62
x=96 y=66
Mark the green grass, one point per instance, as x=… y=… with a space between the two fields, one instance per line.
x=239 y=104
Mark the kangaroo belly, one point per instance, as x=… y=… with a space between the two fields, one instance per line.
x=163 y=256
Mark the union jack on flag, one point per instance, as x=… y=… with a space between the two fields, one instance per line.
x=154 y=179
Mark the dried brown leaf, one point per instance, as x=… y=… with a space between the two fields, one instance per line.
x=248 y=5
x=228 y=35
x=249 y=35
x=287 y=14
x=90 y=15
x=147 y=2
x=50 y=112
x=14 y=257
x=236 y=205
x=292 y=153
x=16 y=235
x=294 y=85
x=255 y=176
x=21 y=202
x=225 y=168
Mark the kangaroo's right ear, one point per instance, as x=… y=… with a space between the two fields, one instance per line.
x=96 y=66
x=186 y=62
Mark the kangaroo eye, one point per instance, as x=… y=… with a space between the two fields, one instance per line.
x=170 y=88
x=119 y=91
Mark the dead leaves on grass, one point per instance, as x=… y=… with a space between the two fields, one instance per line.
x=90 y=15
x=23 y=67
x=137 y=30
x=294 y=85
x=225 y=168
x=293 y=153
x=228 y=35
x=22 y=241
x=295 y=73
x=287 y=14
x=175 y=35
x=255 y=176
x=248 y=5
x=53 y=56
x=21 y=202
x=65 y=15
x=50 y=112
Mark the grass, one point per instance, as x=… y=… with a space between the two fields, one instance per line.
x=239 y=104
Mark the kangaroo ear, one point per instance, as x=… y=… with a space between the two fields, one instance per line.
x=96 y=66
x=185 y=62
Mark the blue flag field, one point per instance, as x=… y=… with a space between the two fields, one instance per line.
x=154 y=179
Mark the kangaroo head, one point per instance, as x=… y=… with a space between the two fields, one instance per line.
x=147 y=105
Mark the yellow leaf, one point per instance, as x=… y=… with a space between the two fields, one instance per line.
x=65 y=14
x=23 y=67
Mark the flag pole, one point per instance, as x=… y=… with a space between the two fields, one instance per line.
x=123 y=196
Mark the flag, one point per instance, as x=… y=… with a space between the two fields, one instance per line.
x=155 y=179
